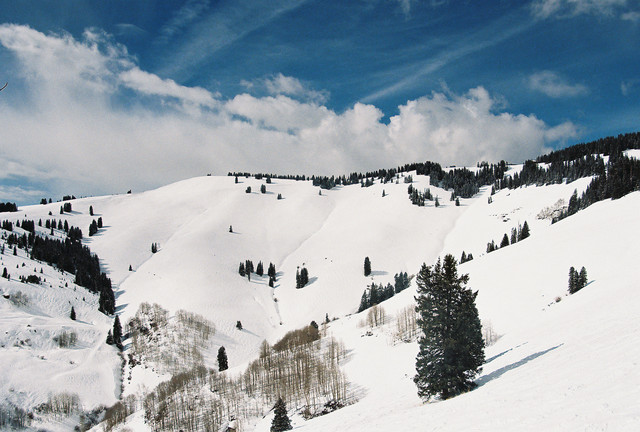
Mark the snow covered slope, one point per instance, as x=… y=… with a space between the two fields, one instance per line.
x=564 y=365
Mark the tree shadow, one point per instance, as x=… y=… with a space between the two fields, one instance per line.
x=498 y=373
x=379 y=273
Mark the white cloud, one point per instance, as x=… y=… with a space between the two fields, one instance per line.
x=570 y=8
x=280 y=84
x=632 y=16
x=553 y=85
x=94 y=123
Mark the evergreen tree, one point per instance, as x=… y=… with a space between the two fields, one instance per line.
x=248 y=190
x=271 y=281
x=260 y=269
x=463 y=258
x=91 y=210
x=223 y=362
x=573 y=280
x=367 y=266
x=582 y=278
x=525 y=231
x=279 y=196
x=230 y=229
x=280 y=420
x=241 y=270
x=505 y=241
x=451 y=347
x=457 y=202
x=263 y=189
x=514 y=235
x=72 y=315
x=5 y=274
x=117 y=332
x=239 y=325
x=272 y=271
x=109 y=338
x=100 y=222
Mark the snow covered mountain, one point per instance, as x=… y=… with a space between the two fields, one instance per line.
x=560 y=362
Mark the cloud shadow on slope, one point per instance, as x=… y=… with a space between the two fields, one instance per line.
x=498 y=373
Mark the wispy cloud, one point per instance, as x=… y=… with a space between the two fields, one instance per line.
x=569 y=8
x=186 y=15
x=101 y=125
x=225 y=24
x=280 y=84
x=632 y=16
x=555 y=86
x=628 y=86
x=414 y=73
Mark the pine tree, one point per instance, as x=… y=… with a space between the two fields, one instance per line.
x=100 y=222
x=239 y=325
x=230 y=229
x=573 y=280
x=505 y=241
x=514 y=235
x=241 y=270
x=117 y=332
x=223 y=362
x=272 y=271
x=260 y=269
x=451 y=347
x=72 y=315
x=367 y=266
x=582 y=278
x=91 y=210
x=281 y=420
x=263 y=189
x=109 y=338
x=525 y=231
x=5 y=274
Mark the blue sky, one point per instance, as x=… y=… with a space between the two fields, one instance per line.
x=104 y=97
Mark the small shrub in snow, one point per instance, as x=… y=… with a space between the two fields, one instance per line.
x=19 y=299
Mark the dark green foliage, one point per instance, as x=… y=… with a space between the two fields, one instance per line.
x=230 y=229
x=279 y=196
x=582 y=278
x=154 y=247
x=7 y=225
x=130 y=268
x=5 y=274
x=241 y=270
x=90 y=210
x=514 y=235
x=236 y=181
x=367 y=266
x=248 y=189
x=451 y=347
x=8 y=207
x=437 y=203
x=239 y=325
x=268 y=180
x=272 y=270
x=577 y=281
x=109 y=338
x=491 y=246
x=280 y=420
x=401 y=282
x=263 y=189
x=93 y=228
x=505 y=241
x=100 y=222
x=457 y=202
x=259 y=269
x=375 y=294
x=524 y=233
x=69 y=255
x=223 y=362
x=117 y=332
x=72 y=315
x=302 y=277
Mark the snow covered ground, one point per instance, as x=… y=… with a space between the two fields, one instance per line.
x=559 y=365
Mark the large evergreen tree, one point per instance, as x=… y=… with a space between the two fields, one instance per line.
x=451 y=347
x=280 y=420
x=367 y=266
x=117 y=332
x=223 y=362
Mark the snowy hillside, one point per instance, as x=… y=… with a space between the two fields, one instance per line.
x=561 y=362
